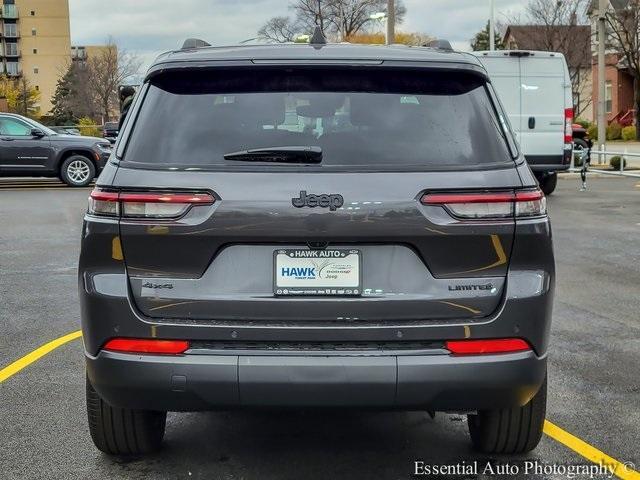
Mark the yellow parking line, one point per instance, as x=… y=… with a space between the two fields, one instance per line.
x=620 y=469
x=37 y=354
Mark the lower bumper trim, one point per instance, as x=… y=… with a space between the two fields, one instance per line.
x=420 y=382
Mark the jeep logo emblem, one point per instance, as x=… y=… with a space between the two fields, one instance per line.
x=333 y=201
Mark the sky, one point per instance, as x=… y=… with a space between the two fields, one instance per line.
x=148 y=27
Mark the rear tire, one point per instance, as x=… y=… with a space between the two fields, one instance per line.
x=77 y=171
x=580 y=144
x=510 y=430
x=548 y=183
x=123 y=431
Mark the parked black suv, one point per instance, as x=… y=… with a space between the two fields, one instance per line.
x=111 y=131
x=316 y=226
x=28 y=148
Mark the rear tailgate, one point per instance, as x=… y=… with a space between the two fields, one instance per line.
x=217 y=262
x=387 y=138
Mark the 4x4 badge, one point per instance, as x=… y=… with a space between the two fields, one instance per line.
x=333 y=201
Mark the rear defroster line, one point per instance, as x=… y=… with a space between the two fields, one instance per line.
x=625 y=471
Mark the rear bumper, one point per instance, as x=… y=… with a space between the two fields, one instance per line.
x=550 y=163
x=435 y=381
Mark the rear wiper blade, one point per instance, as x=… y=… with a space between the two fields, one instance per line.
x=291 y=154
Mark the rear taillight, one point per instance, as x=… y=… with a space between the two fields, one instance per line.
x=530 y=203
x=104 y=203
x=486 y=205
x=568 y=125
x=486 y=347
x=147 y=345
x=145 y=205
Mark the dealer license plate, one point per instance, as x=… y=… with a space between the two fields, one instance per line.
x=317 y=272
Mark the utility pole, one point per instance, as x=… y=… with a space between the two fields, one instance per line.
x=391 y=22
x=492 y=28
x=602 y=124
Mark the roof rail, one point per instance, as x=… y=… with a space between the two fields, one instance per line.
x=440 y=45
x=190 y=43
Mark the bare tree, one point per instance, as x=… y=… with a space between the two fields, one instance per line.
x=348 y=17
x=279 y=30
x=107 y=71
x=551 y=13
x=82 y=99
x=561 y=26
x=309 y=13
x=339 y=18
x=623 y=24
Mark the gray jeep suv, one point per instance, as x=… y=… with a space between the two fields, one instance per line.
x=28 y=148
x=316 y=226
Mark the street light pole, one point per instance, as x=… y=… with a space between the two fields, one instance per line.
x=391 y=22
x=602 y=124
x=492 y=20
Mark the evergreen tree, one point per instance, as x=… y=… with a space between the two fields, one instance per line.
x=61 y=111
x=481 y=40
x=73 y=98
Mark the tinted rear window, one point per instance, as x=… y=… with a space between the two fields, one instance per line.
x=360 y=118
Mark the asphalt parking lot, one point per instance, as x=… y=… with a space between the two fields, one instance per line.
x=594 y=382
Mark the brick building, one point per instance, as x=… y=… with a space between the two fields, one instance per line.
x=618 y=90
x=619 y=105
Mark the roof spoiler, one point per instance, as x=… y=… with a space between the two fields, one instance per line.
x=191 y=43
x=440 y=44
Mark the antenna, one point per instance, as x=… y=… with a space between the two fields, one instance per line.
x=318 y=37
x=190 y=43
x=440 y=45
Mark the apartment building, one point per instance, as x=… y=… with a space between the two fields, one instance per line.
x=82 y=53
x=36 y=43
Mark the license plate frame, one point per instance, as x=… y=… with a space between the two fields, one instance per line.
x=351 y=286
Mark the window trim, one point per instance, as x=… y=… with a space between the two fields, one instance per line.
x=608 y=92
x=507 y=129
x=125 y=133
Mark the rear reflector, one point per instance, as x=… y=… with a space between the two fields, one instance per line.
x=484 y=347
x=486 y=205
x=142 y=345
x=145 y=205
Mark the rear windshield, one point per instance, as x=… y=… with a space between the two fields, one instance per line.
x=359 y=118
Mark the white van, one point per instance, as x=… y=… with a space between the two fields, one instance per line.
x=535 y=89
